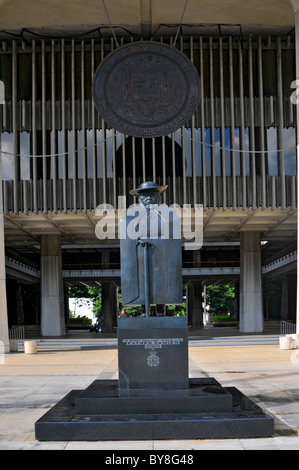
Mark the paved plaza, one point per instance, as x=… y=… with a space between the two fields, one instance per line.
x=31 y=384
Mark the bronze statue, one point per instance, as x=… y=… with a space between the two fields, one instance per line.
x=150 y=246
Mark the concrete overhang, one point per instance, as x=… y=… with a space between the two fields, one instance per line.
x=23 y=230
x=145 y=17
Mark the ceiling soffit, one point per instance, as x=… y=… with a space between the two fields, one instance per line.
x=143 y=16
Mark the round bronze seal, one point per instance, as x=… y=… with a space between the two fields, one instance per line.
x=146 y=89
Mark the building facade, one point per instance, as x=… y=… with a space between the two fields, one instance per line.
x=60 y=160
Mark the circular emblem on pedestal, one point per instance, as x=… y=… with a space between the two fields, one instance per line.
x=146 y=89
x=153 y=359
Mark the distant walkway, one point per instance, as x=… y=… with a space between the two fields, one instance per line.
x=211 y=337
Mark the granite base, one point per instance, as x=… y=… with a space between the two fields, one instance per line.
x=241 y=419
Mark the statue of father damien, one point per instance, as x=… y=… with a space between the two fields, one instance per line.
x=150 y=250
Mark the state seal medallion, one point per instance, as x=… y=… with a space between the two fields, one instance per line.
x=146 y=89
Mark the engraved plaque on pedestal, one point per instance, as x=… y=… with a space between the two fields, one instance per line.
x=152 y=353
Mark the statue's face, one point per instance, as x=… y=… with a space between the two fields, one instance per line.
x=147 y=198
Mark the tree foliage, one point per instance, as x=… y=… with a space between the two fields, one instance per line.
x=92 y=293
x=220 y=298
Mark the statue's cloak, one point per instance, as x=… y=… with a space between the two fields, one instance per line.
x=161 y=228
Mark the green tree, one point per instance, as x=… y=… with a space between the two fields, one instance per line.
x=220 y=298
x=92 y=293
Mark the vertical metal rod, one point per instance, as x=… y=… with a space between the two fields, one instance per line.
x=83 y=124
x=222 y=127
x=163 y=167
x=114 y=148
x=262 y=125
x=252 y=123
x=53 y=133
x=124 y=163
x=184 y=164
x=3 y=300
x=146 y=280
x=212 y=127
x=232 y=116
x=134 y=161
x=63 y=127
x=293 y=192
x=193 y=142
x=74 y=127
x=24 y=114
x=297 y=146
x=94 y=140
x=183 y=144
x=44 y=134
x=104 y=177
x=173 y=167
x=242 y=129
x=33 y=110
x=193 y=156
x=24 y=181
x=280 y=140
x=4 y=105
x=114 y=141
x=202 y=112
x=153 y=158
x=15 y=128
x=143 y=159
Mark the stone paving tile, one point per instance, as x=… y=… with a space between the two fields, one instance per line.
x=30 y=385
x=286 y=443
x=279 y=443
x=110 y=445
x=258 y=444
x=8 y=445
x=204 y=444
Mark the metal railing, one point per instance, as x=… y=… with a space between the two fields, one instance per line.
x=287 y=328
x=211 y=160
x=17 y=332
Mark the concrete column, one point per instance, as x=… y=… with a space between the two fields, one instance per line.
x=295 y=5
x=109 y=305
x=52 y=294
x=251 y=293
x=296 y=9
x=194 y=304
x=4 y=336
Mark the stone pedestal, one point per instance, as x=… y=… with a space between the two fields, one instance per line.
x=152 y=353
x=153 y=398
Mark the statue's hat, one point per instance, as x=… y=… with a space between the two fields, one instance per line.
x=148 y=185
